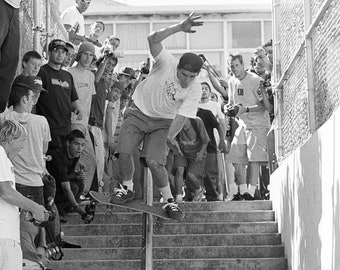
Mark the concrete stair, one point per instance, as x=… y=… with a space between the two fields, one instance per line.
x=213 y=235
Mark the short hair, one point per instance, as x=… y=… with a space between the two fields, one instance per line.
x=207 y=84
x=31 y=54
x=269 y=43
x=98 y=22
x=11 y=130
x=76 y=133
x=234 y=56
x=18 y=91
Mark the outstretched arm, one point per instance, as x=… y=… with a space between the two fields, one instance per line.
x=155 y=38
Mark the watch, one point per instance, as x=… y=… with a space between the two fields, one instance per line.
x=247 y=109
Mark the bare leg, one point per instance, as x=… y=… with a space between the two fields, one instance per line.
x=126 y=166
x=179 y=183
x=160 y=178
x=253 y=176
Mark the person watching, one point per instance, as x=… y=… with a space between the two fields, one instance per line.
x=69 y=174
x=12 y=139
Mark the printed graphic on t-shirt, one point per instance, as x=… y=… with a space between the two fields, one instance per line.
x=170 y=90
x=191 y=142
x=82 y=84
x=240 y=91
x=64 y=84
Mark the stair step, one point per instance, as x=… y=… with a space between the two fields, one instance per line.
x=191 y=217
x=177 y=240
x=172 y=228
x=193 y=252
x=196 y=264
x=217 y=228
x=222 y=264
x=189 y=252
x=212 y=236
x=203 y=206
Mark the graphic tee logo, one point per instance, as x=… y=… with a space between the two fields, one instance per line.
x=240 y=91
x=60 y=83
x=170 y=90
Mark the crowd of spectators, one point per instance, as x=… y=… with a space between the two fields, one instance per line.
x=74 y=124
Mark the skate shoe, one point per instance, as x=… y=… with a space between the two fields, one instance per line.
x=122 y=195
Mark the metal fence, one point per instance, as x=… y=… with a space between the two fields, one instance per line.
x=306 y=68
x=39 y=22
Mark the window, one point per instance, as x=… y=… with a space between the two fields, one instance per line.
x=267 y=31
x=177 y=41
x=133 y=36
x=244 y=34
x=207 y=36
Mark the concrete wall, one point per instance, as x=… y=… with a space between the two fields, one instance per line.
x=305 y=190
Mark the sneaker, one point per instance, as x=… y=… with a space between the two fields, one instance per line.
x=173 y=210
x=122 y=195
x=238 y=197
x=198 y=195
x=247 y=196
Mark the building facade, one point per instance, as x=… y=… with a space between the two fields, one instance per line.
x=227 y=28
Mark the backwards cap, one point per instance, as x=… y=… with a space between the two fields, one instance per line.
x=190 y=62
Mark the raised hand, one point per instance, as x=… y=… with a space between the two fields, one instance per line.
x=189 y=22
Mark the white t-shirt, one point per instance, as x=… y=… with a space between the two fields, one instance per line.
x=161 y=95
x=214 y=107
x=14 y=3
x=84 y=83
x=9 y=214
x=72 y=16
x=247 y=93
x=29 y=163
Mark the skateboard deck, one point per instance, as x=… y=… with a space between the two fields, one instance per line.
x=134 y=205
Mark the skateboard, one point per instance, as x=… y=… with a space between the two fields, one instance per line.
x=134 y=205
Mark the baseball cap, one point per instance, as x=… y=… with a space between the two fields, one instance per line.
x=128 y=71
x=86 y=46
x=56 y=44
x=190 y=62
x=33 y=82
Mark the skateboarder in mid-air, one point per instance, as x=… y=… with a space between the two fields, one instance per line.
x=162 y=103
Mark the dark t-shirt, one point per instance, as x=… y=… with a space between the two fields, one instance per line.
x=55 y=104
x=61 y=167
x=210 y=122
x=98 y=104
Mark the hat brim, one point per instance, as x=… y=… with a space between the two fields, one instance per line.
x=127 y=74
x=60 y=47
x=39 y=89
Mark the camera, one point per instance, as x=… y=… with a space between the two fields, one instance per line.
x=232 y=110
x=90 y=210
x=118 y=54
x=54 y=252
x=145 y=67
x=145 y=70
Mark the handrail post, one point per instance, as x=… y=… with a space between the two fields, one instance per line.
x=146 y=262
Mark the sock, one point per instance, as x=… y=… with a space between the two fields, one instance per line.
x=166 y=192
x=243 y=188
x=128 y=184
x=251 y=190
x=233 y=189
